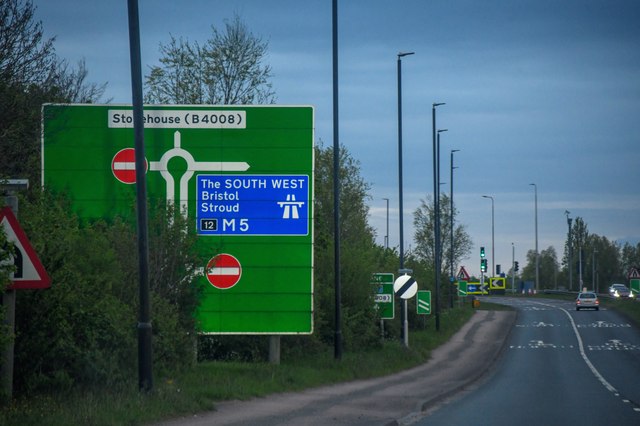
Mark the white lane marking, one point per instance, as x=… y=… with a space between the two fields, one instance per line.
x=586 y=359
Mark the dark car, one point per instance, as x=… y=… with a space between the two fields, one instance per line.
x=587 y=300
x=619 y=290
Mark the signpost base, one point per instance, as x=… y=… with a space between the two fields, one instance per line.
x=274 y=350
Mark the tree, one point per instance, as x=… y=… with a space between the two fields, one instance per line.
x=81 y=331
x=630 y=257
x=424 y=223
x=25 y=58
x=227 y=69
x=30 y=75
x=591 y=254
x=360 y=254
x=548 y=268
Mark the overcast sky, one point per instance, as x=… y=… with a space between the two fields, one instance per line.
x=536 y=91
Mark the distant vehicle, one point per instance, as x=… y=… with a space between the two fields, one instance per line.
x=619 y=290
x=587 y=300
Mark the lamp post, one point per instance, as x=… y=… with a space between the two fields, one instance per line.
x=436 y=210
x=535 y=187
x=438 y=256
x=337 y=339
x=493 y=247
x=569 y=244
x=386 y=236
x=453 y=272
x=593 y=270
x=404 y=333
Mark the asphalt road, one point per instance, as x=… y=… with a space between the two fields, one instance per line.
x=560 y=367
x=391 y=400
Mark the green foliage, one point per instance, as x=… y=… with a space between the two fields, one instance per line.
x=77 y=331
x=547 y=268
x=424 y=222
x=227 y=69
x=597 y=255
x=82 y=331
x=630 y=257
x=31 y=74
x=359 y=254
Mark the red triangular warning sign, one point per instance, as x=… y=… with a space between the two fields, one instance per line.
x=463 y=275
x=29 y=271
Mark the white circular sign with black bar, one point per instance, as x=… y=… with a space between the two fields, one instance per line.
x=405 y=287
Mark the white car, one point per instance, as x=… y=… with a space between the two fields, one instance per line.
x=587 y=300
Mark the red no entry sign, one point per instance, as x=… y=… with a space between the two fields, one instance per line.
x=123 y=165
x=223 y=271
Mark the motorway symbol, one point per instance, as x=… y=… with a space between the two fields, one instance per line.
x=223 y=271
x=123 y=165
x=405 y=287
x=29 y=272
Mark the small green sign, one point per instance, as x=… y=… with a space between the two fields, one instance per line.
x=384 y=295
x=423 y=301
x=242 y=175
x=462 y=288
x=635 y=287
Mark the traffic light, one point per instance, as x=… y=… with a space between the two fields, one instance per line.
x=483 y=265
x=497 y=269
x=482 y=252
x=516 y=267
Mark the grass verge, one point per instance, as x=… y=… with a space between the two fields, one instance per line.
x=199 y=388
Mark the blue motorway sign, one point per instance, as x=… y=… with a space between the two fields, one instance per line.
x=252 y=204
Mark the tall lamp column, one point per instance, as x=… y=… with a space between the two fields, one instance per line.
x=535 y=187
x=436 y=210
x=493 y=246
x=453 y=272
x=404 y=330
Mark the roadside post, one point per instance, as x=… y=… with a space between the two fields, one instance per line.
x=405 y=287
x=28 y=271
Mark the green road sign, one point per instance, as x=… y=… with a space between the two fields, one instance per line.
x=384 y=295
x=635 y=287
x=423 y=301
x=242 y=175
x=462 y=288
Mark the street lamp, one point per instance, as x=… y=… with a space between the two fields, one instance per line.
x=535 y=187
x=452 y=279
x=593 y=270
x=386 y=237
x=404 y=334
x=493 y=247
x=436 y=209
x=569 y=244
